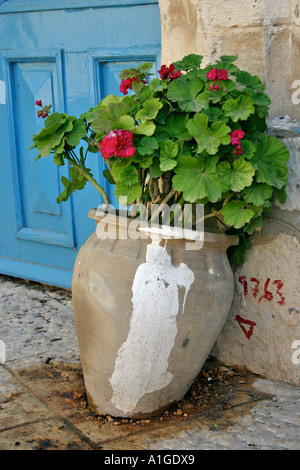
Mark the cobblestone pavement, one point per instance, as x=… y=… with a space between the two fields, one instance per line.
x=43 y=404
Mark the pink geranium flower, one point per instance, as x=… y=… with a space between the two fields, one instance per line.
x=222 y=75
x=212 y=75
x=235 y=139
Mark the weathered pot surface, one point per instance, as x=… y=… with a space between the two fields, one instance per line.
x=147 y=313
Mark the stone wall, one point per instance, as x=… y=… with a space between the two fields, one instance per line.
x=265 y=35
x=262 y=331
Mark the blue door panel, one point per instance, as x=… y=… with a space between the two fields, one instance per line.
x=70 y=58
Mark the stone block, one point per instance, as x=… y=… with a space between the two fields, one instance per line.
x=230 y=13
x=178 y=29
x=262 y=331
x=282 y=70
x=295 y=12
x=278 y=12
x=247 y=43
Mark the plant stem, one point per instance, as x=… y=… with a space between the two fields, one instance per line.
x=164 y=201
x=89 y=177
x=109 y=167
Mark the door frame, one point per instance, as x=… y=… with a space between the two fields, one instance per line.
x=40 y=5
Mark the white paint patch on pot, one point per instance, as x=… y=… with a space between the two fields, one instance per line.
x=142 y=362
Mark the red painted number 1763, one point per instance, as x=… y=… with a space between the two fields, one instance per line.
x=267 y=293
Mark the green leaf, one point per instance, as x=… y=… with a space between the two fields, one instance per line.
x=157 y=85
x=93 y=113
x=248 y=148
x=175 y=126
x=77 y=182
x=137 y=86
x=237 y=176
x=214 y=96
x=125 y=122
x=144 y=161
x=145 y=128
x=270 y=161
x=155 y=171
x=58 y=158
x=52 y=120
x=208 y=139
x=215 y=114
x=107 y=117
x=147 y=145
x=77 y=133
x=236 y=214
x=239 y=109
x=128 y=175
x=255 y=225
x=107 y=175
x=191 y=61
x=117 y=166
x=281 y=195
x=257 y=194
x=197 y=178
x=261 y=102
x=187 y=94
x=145 y=67
x=149 y=110
x=168 y=151
x=228 y=58
x=248 y=80
x=236 y=254
x=52 y=135
x=131 y=191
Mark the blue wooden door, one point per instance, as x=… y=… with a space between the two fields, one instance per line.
x=68 y=53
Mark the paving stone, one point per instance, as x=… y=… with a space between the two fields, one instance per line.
x=51 y=434
x=43 y=403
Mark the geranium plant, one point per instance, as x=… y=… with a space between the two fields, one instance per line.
x=195 y=135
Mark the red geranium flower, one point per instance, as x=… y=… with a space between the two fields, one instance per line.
x=127 y=85
x=117 y=143
x=38 y=103
x=168 y=73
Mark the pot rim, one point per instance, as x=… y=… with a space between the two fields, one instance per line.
x=164 y=231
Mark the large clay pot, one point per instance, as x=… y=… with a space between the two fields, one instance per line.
x=147 y=313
